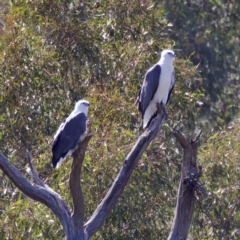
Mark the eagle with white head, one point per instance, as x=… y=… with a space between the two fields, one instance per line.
x=69 y=133
x=157 y=86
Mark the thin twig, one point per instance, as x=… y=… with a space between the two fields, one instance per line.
x=197 y=137
x=35 y=176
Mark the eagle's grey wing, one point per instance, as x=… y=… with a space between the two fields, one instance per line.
x=149 y=88
x=171 y=86
x=68 y=137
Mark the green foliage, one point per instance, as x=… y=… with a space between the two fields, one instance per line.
x=218 y=217
x=208 y=33
x=54 y=53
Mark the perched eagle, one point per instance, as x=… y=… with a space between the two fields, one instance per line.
x=69 y=133
x=157 y=86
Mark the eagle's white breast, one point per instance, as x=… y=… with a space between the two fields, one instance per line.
x=162 y=92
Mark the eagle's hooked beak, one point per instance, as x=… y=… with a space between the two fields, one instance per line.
x=86 y=104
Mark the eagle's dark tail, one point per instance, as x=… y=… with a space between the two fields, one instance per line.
x=54 y=162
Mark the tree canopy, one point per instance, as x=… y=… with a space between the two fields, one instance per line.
x=53 y=53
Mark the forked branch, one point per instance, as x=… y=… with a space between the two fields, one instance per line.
x=42 y=194
x=73 y=223
x=40 y=191
x=187 y=187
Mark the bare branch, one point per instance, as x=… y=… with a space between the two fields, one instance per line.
x=74 y=181
x=35 y=176
x=187 y=187
x=181 y=139
x=43 y=194
x=197 y=137
x=110 y=200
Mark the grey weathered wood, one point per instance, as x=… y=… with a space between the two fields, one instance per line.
x=42 y=194
x=110 y=200
x=35 y=176
x=75 y=188
x=73 y=223
x=185 y=199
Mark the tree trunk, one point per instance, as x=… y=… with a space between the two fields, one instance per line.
x=187 y=187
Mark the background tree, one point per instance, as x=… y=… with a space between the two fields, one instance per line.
x=54 y=53
x=208 y=33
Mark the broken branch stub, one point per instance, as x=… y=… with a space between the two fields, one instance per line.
x=188 y=186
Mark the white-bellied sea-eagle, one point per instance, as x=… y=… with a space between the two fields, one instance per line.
x=157 y=86
x=69 y=133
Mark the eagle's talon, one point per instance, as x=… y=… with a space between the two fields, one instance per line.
x=158 y=107
x=165 y=112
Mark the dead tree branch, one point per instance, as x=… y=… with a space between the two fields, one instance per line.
x=73 y=224
x=75 y=187
x=35 y=176
x=39 y=193
x=110 y=200
x=187 y=187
